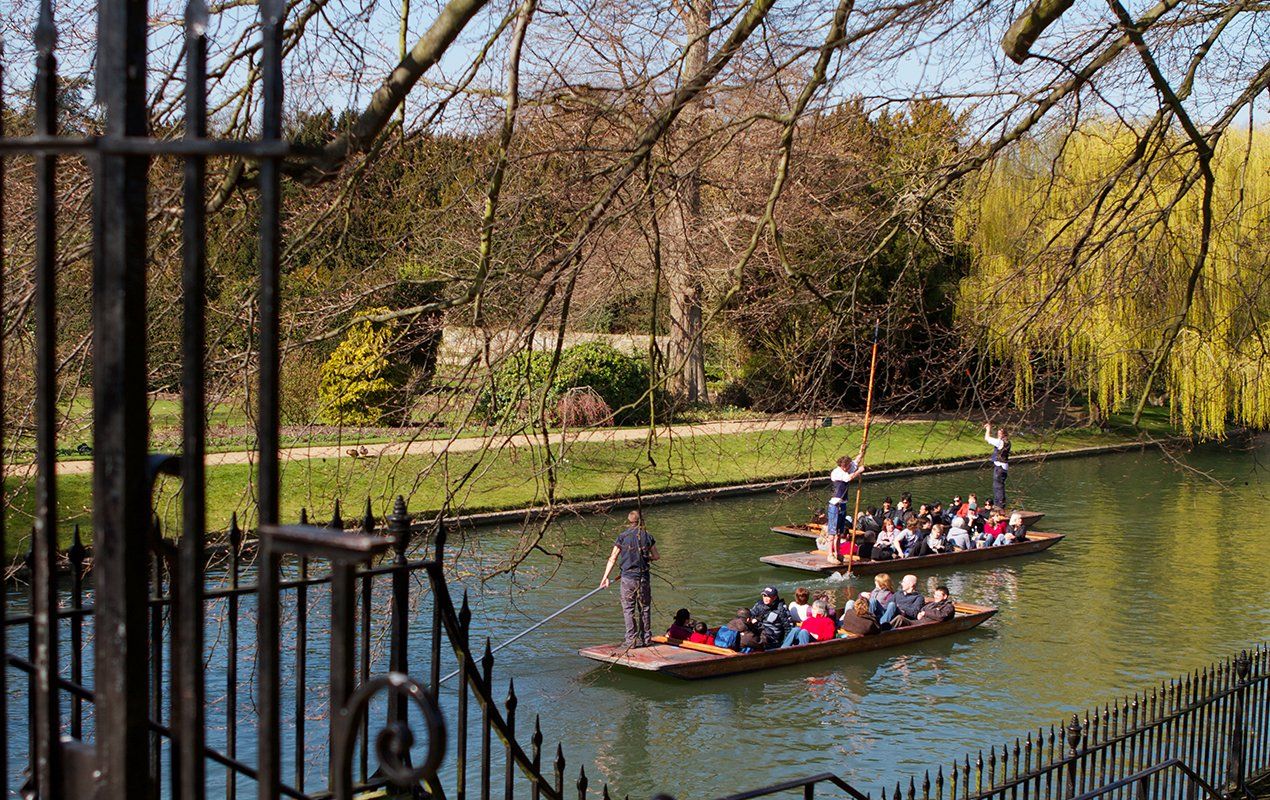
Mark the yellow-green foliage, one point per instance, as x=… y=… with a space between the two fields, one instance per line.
x=358 y=380
x=1082 y=253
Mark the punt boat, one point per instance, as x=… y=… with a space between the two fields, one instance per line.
x=690 y=660
x=818 y=560
x=811 y=531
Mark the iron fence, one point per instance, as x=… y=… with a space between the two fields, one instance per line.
x=1207 y=732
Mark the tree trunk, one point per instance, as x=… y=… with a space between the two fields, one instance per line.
x=687 y=363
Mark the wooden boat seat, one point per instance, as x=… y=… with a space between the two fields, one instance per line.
x=702 y=648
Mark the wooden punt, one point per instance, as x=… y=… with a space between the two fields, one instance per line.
x=818 y=560
x=692 y=661
x=807 y=531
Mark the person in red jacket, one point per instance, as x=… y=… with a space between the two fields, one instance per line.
x=701 y=634
x=818 y=627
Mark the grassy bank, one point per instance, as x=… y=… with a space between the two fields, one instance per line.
x=517 y=478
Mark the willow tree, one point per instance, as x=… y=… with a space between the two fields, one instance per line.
x=1107 y=253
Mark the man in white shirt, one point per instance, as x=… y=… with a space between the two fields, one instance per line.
x=847 y=470
x=1000 y=462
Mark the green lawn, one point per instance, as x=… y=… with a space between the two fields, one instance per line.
x=517 y=478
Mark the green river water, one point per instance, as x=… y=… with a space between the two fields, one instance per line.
x=1164 y=570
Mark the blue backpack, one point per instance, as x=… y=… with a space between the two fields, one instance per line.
x=726 y=637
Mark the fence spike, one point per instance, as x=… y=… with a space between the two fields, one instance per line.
x=487 y=663
x=939 y=782
x=536 y=739
x=465 y=617
x=77 y=552
x=897 y=795
x=992 y=766
x=235 y=533
x=337 y=521
x=304 y=516
x=368 y=519
x=912 y=788
x=45 y=31
x=605 y=792
x=511 y=702
x=582 y=783
x=559 y=763
x=926 y=784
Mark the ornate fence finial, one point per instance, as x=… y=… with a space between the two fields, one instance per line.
x=368 y=518
x=1243 y=664
x=1073 y=733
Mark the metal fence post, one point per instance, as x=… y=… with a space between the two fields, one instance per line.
x=398 y=656
x=1073 y=743
x=1235 y=768
x=121 y=498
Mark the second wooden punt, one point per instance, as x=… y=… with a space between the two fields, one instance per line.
x=818 y=560
x=808 y=531
x=687 y=660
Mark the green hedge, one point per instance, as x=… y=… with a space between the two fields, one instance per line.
x=620 y=380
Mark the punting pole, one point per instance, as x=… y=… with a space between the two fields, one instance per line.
x=864 y=443
x=534 y=627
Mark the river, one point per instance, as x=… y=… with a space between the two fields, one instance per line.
x=1163 y=571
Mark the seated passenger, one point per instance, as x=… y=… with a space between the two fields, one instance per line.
x=818 y=627
x=824 y=597
x=800 y=608
x=1014 y=532
x=858 y=620
x=992 y=529
x=885 y=547
x=939 y=609
x=958 y=536
x=869 y=521
x=679 y=628
x=908 y=601
x=734 y=634
x=933 y=543
x=938 y=514
x=888 y=510
x=910 y=537
x=701 y=634
x=771 y=615
x=882 y=598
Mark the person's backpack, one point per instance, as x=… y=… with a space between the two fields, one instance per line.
x=726 y=637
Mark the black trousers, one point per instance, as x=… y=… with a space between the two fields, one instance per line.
x=998 y=486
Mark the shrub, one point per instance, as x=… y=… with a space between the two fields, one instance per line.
x=734 y=394
x=299 y=388
x=583 y=408
x=359 y=380
x=617 y=379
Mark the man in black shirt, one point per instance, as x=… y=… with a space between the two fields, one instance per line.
x=634 y=550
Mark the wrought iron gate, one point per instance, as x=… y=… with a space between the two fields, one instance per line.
x=99 y=729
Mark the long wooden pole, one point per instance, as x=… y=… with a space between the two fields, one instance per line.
x=864 y=445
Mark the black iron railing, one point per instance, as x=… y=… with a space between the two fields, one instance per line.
x=1210 y=728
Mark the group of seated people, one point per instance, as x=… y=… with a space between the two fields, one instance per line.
x=772 y=623
x=897 y=531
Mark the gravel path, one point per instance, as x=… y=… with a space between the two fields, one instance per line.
x=469 y=444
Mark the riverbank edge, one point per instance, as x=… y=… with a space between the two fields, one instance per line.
x=602 y=505
x=800 y=481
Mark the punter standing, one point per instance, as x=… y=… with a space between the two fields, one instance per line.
x=634 y=551
x=846 y=471
x=1000 y=462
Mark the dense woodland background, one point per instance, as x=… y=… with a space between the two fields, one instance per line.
x=729 y=195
